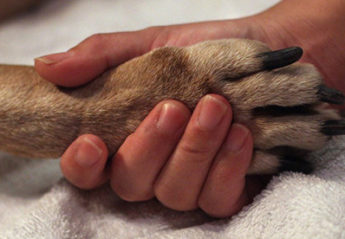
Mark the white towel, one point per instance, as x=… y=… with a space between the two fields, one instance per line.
x=35 y=202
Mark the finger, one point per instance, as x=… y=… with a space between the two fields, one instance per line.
x=143 y=154
x=83 y=163
x=224 y=191
x=93 y=56
x=181 y=179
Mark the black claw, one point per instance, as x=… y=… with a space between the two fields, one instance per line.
x=292 y=159
x=280 y=111
x=293 y=164
x=275 y=59
x=333 y=127
x=330 y=95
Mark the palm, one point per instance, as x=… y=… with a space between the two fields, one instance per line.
x=187 y=34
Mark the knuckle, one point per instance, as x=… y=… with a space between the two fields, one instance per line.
x=214 y=212
x=212 y=208
x=153 y=29
x=216 y=206
x=174 y=199
x=161 y=34
x=192 y=149
x=96 y=37
x=131 y=195
x=95 y=42
x=205 y=205
x=82 y=184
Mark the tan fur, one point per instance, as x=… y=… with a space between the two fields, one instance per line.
x=40 y=120
x=11 y=7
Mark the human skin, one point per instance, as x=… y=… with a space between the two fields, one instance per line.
x=171 y=134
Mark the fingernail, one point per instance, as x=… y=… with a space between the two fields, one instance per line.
x=171 y=119
x=237 y=137
x=211 y=113
x=54 y=58
x=88 y=153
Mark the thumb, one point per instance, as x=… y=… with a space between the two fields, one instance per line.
x=93 y=56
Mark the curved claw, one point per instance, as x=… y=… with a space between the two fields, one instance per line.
x=275 y=59
x=292 y=159
x=333 y=127
x=330 y=95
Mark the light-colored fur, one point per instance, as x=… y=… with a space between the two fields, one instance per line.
x=40 y=120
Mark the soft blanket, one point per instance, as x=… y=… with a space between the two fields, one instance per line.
x=36 y=202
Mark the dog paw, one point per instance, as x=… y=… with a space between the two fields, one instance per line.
x=283 y=104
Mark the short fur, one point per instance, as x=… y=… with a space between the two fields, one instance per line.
x=40 y=120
